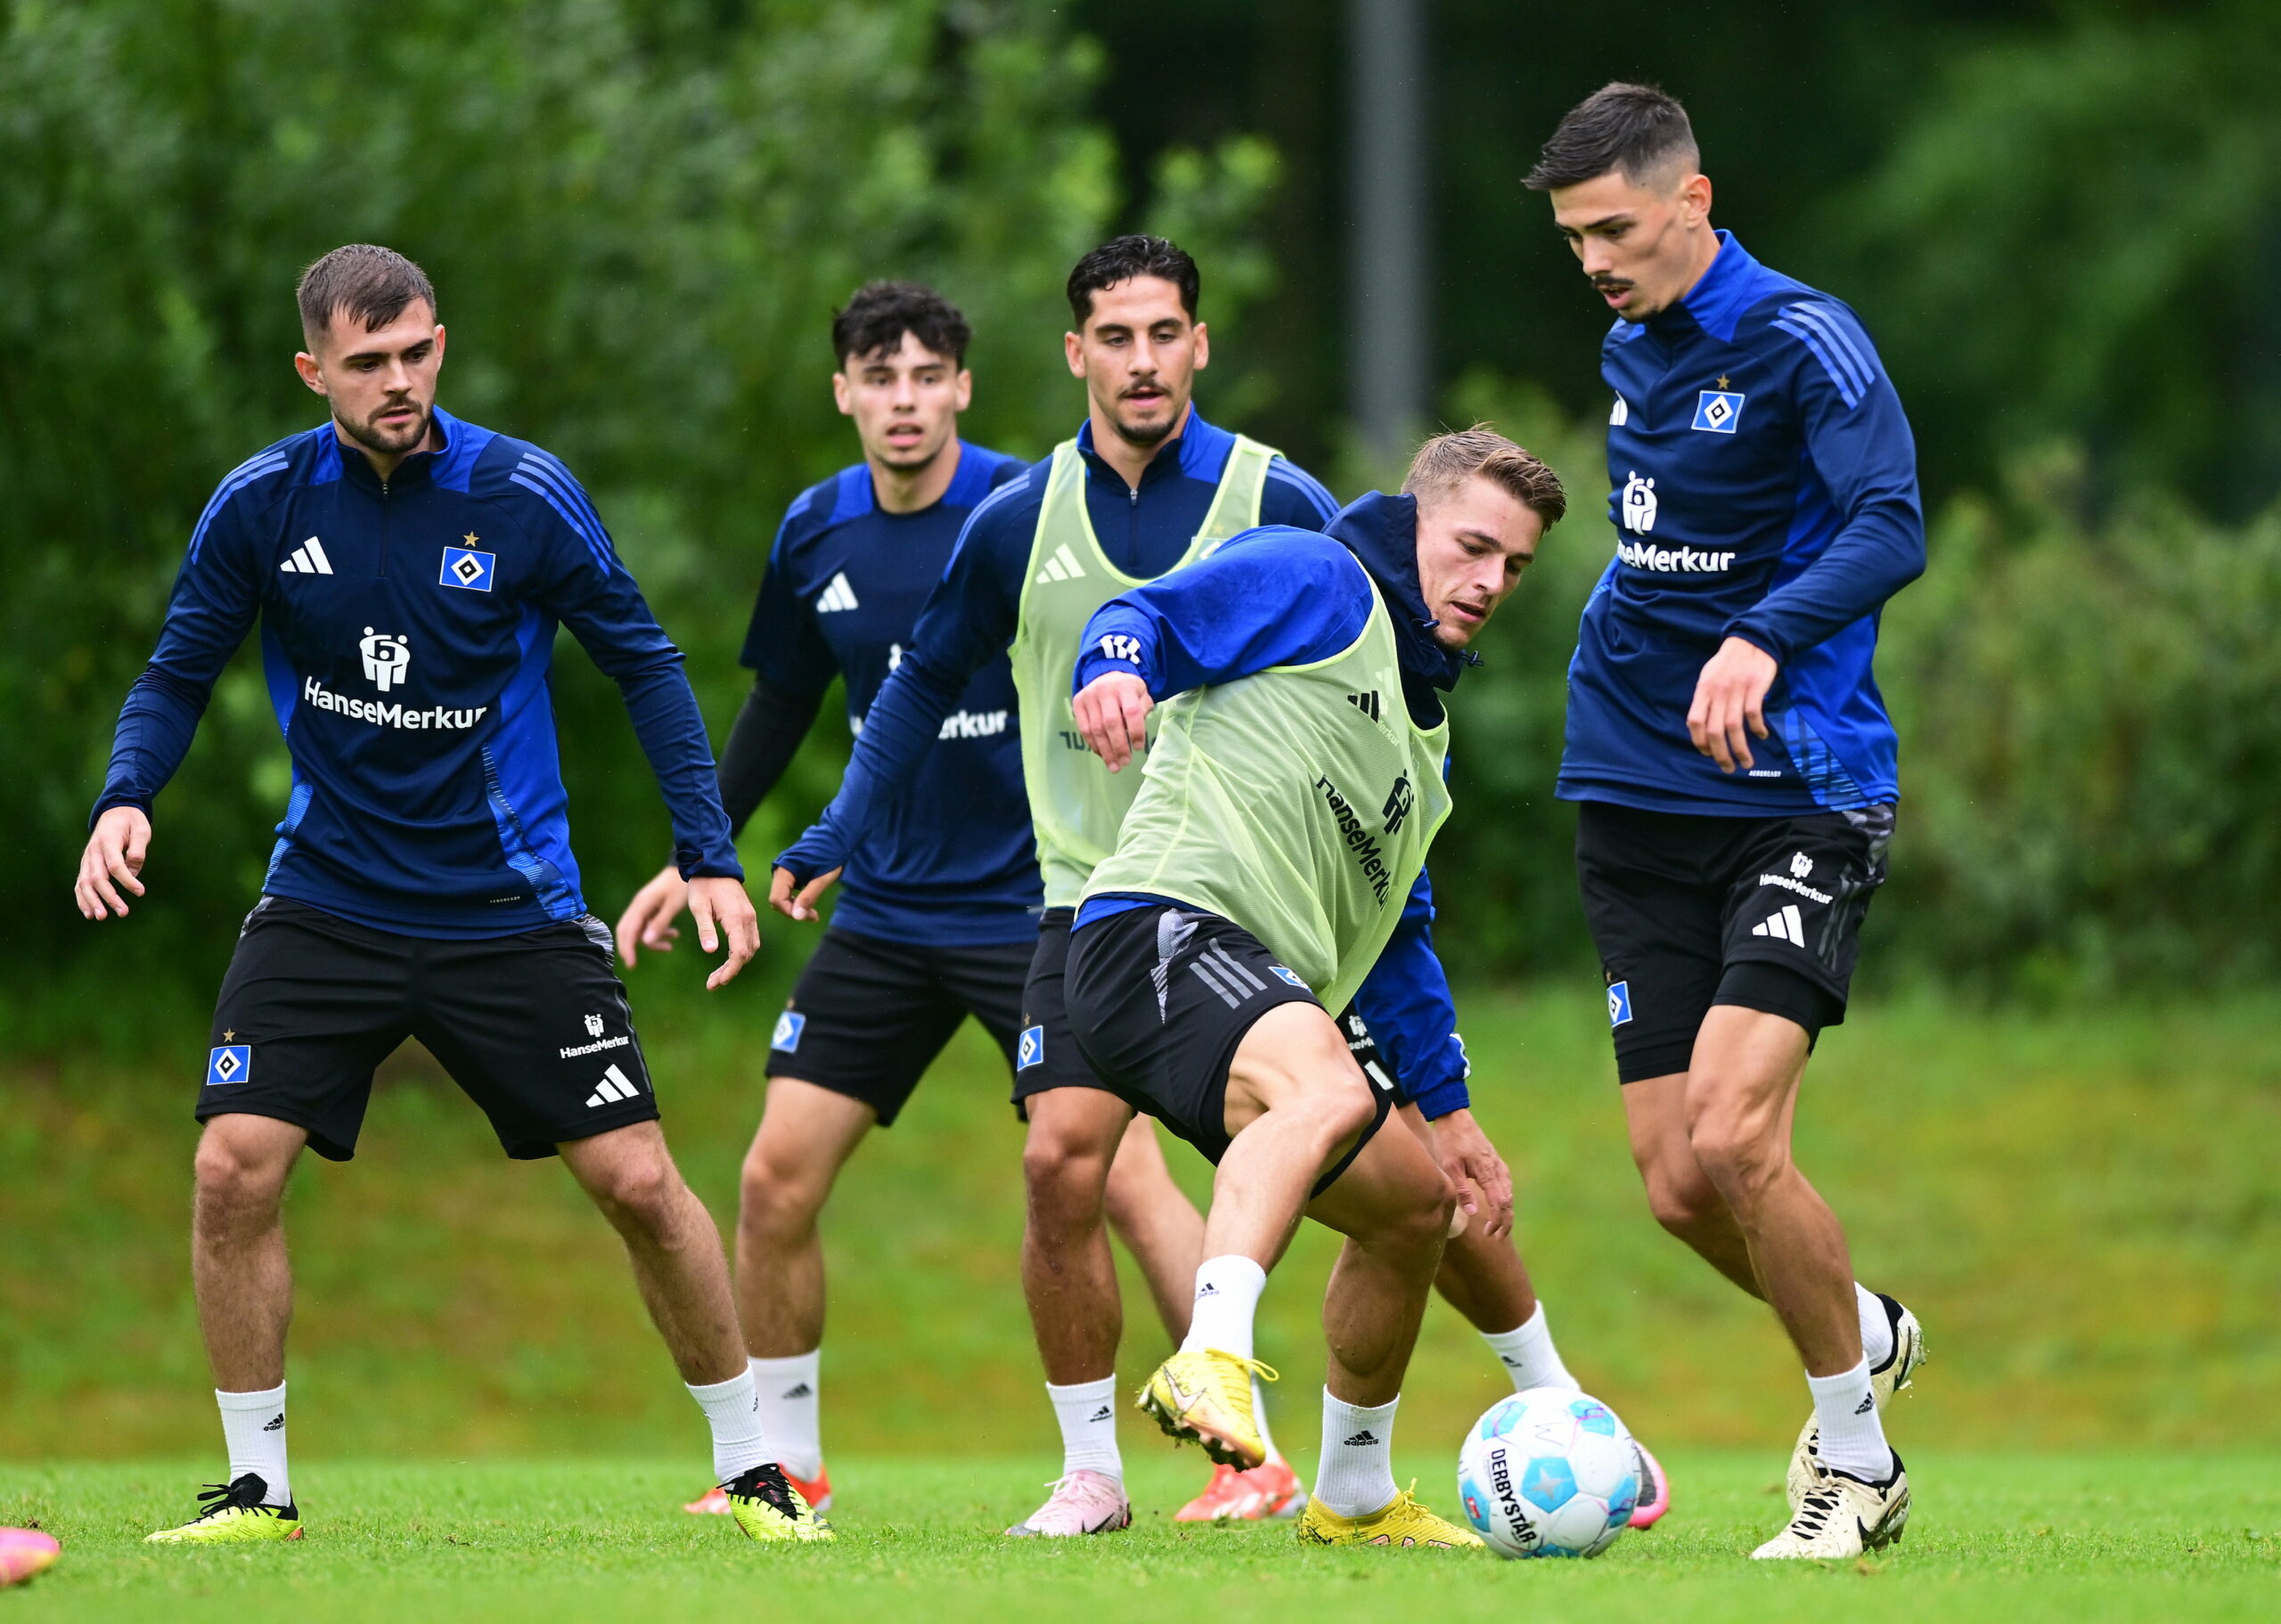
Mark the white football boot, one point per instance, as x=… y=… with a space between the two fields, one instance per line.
x=1886 y=1380
x=1843 y=1517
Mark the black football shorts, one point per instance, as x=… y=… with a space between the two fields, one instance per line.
x=534 y=1027
x=1688 y=911
x=1046 y=1055
x=1160 y=998
x=867 y=1016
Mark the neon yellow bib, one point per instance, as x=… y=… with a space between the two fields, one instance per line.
x=1298 y=802
x=1075 y=802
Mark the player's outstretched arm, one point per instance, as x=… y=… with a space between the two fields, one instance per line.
x=649 y=918
x=113 y=862
x=722 y=909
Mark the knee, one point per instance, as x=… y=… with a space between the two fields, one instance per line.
x=641 y=1197
x=776 y=1199
x=233 y=1184
x=1682 y=1199
x=1068 y=1178
x=1739 y=1157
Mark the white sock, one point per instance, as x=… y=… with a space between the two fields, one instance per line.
x=1529 y=1357
x=1227 y=1291
x=739 y=1442
x=1852 y=1437
x=790 y=1410
x=1259 y=1415
x=253 y=1426
x=1087 y=1411
x=1355 y=1476
x=1876 y=1330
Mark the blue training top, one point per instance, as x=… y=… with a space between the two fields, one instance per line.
x=1764 y=487
x=406 y=630
x=950 y=860
x=1285 y=597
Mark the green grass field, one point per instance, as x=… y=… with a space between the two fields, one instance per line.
x=2081 y=1206
x=2084 y=1539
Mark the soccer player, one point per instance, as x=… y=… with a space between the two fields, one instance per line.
x=1146 y=486
x=1732 y=755
x=1289 y=801
x=937 y=917
x=409 y=571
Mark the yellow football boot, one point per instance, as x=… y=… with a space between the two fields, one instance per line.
x=766 y=1506
x=1206 y=1397
x=1401 y=1522
x=234 y=1514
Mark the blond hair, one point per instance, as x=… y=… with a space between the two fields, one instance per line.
x=1446 y=461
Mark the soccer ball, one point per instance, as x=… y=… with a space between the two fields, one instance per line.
x=1549 y=1473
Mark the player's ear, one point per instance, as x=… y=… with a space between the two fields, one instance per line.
x=839 y=395
x=312 y=374
x=965 y=398
x=1202 y=346
x=1072 y=346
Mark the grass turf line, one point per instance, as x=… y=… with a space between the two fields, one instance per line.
x=2082 y=1539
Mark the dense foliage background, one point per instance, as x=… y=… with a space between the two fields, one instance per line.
x=2063 y=223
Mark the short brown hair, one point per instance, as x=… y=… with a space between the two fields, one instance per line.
x=1636 y=128
x=372 y=284
x=1447 y=461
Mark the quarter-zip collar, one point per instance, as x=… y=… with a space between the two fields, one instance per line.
x=421 y=467
x=1381 y=532
x=1727 y=289
x=1198 y=450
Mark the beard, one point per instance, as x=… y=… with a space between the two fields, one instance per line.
x=1143 y=436
x=387 y=442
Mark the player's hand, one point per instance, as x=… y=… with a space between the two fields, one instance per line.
x=116 y=848
x=649 y=918
x=802 y=906
x=1112 y=713
x=721 y=907
x=1730 y=704
x=1484 y=1184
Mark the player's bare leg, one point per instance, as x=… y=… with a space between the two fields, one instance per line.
x=239 y=1266
x=1156 y=1221
x=806 y=1136
x=1070 y=1278
x=672 y=1243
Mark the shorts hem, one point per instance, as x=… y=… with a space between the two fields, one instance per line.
x=628 y=1115
x=882 y=1116
x=324 y=1144
x=1655 y=1060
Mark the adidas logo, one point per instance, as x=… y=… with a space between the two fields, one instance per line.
x=1104 y=1413
x=276 y=1425
x=1868 y=1402
x=1062 y=566
x=1783 y=927
x=836 y=595
x=614 y=1087
x=800 y=1389
x=308 y=559
x=1206 y=1290
x=1362 y=1439
x=1368 y=704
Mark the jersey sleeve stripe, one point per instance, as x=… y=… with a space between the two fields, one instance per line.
x=565 y=481
x=241 y=476
x=1822 y=335
x=1005 y=494
x=532 y=480
x=1841 y=332
x=1306 y=484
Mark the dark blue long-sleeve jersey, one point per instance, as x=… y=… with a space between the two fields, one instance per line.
x=951 y=861
x=1764 y=486
x=1283 y=597
x=406 y=631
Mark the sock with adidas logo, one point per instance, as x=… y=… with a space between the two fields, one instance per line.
x=732 y=1410
x=791 y=1410
x=253 y=1426
x=1087 y=1411
x=1852 y=1434
x=1227 y=1296
x=1355 y=1476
